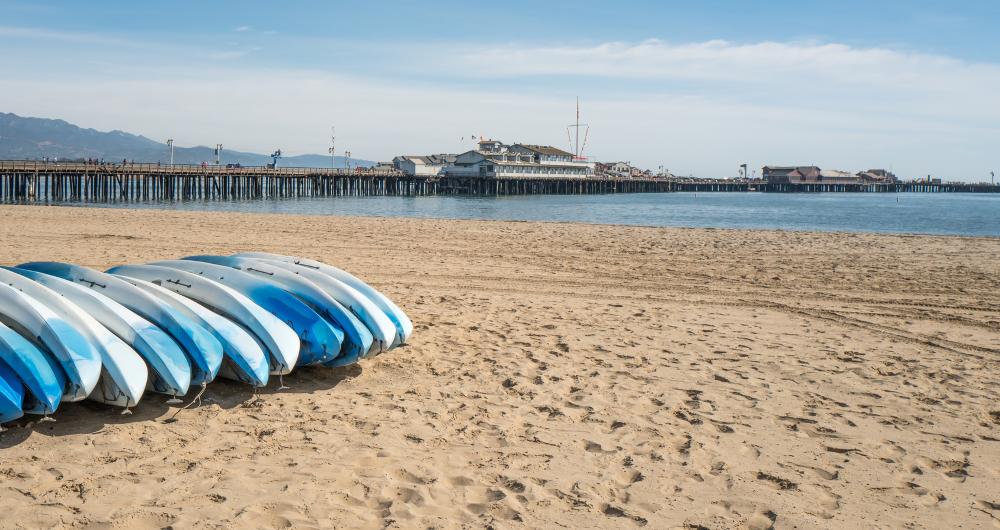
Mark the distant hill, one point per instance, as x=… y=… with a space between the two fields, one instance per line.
x=24 y=138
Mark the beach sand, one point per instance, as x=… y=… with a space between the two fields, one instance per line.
x=560 y=375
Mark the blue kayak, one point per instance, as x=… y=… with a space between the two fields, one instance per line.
x=245 y=359
x=280 y=341
x=11 y=395
x=42 y=378
x=62 y=343
x=123 y=374
x=382 y=328
x=357 y=339
x=320 y=342
x=203 y=350
x=402 y=323
x=169 y=368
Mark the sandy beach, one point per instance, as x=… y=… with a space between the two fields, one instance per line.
x=560 y=376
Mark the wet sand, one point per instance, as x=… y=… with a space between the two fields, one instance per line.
x=560 y=375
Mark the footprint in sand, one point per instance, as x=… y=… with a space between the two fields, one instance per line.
x=823 y=496
x=614 y=511
x=513 y=485
x=403 y=475
x=627 y=478
x=762 y=520
x=594 y=447
x=461 y=481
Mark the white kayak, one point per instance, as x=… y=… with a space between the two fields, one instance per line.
x=202 y=349
x=320 y=341
x=246 y=361
x=382 y=328
x=402 y=322
x=78 y=358
x=358 y=340
x=281 y=341
x=170 y=369
x=123 y=373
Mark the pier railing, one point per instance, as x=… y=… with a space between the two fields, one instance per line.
x=34 y=166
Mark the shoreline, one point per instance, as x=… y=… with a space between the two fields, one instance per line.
x=154 y=207
x=559 y=373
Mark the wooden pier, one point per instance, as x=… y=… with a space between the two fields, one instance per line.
x=710 y=185
x=49 y=182
x=22 y=181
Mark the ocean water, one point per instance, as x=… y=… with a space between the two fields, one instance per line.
x=925 y=213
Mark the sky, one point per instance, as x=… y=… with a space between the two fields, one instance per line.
x=695 y=87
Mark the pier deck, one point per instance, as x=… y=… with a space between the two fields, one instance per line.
x=29 y=181
x=54 y=182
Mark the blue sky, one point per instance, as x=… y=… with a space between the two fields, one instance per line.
x=698 y=87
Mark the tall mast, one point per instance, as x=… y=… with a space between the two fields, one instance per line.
x=577 y=151
x=577 y=148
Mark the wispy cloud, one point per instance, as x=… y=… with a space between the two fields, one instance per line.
x=825 y=75
x=242 y=28
x=32 y=33
x=802 y=63
x=232 y=54
x=228 y=54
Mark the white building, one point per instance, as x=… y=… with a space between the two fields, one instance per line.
x=423 y=166
x=493 y=159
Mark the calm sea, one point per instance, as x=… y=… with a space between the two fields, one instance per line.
x=942 y=213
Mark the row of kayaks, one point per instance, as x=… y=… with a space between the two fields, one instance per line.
x=69 y=333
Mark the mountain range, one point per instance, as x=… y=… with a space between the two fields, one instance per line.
x=25 y=138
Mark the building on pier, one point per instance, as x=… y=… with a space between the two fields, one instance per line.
x=790 y=174
x=494 y=159
x=623 y=170
x=423 y=166
x=807 y=175
x=815 y=175
x=879 y=176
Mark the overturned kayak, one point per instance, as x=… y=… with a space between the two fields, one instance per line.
x=43 y=378
x=170 y=369
x=375 y=319
x=123 y=373
x=402 y=322
x=11 y=395
x=201 y=348
x=319 y=340
x=357 y=339
x=75 y=355
x=245 y=358
x=281 y=341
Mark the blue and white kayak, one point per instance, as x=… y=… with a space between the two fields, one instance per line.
x=79 y=359
x=170 y=369
x=382 y=328
x=245 y=359
x=42 y=377
x=202 y=349
x=11 y=395
x=357 y=339
x=123 y=374
x=280 y=341
x=320 y=341
x=404 y=327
